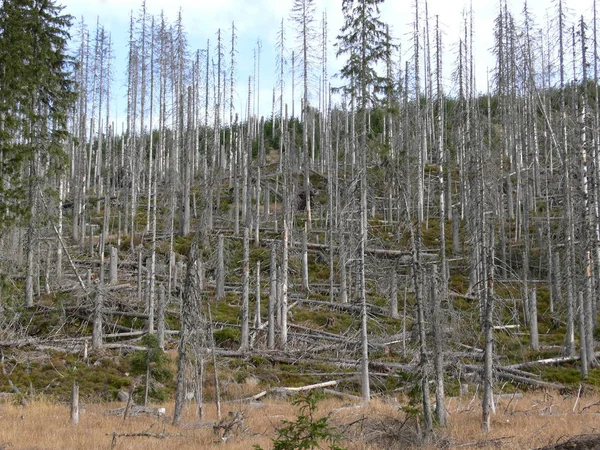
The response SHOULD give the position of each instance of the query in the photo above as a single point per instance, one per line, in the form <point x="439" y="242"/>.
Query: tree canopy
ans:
<point x="36" y="93"/>
<point x="366" y="41"/>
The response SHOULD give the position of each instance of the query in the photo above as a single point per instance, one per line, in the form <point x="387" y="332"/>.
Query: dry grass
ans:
<point x="525" y="423"/>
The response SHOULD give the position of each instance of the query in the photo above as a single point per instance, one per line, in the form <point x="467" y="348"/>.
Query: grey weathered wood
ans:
<point x="140" y="277"/>
<point x="97" y="327"/>
<point x="272" y="297"/>
<point x="220" y="272"/>
<point x="394" y="295"/>
<point x="245" y="339"/>
<point x="438" y="349"/>
<point x="114" y="260"/>
<point x="305" y="286"/>
<point x="283" y="299"/>
<point x="75" y="403"/>
<point x="257" y="318"/>
<point x="160" y="326"/>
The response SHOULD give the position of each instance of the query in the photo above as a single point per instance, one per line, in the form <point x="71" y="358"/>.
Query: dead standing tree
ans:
<point x="192" y="336"/>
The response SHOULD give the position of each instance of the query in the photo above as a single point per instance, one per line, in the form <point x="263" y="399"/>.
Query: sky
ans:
<point x="261" y="19"/>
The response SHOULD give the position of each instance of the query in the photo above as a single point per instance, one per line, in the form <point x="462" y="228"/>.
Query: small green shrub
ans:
<point x="152" y="362"/>
<point x="227" y="337"/>
<point x="306" y="432"/>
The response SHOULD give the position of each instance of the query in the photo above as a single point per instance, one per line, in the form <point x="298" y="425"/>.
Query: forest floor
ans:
<point x="529" y="422"/>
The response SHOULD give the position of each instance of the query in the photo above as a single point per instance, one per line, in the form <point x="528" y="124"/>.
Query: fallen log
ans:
<point x="137" y="411"/>
<point x="520" y="379"/>
<point x="319" y="333"/>
<point x="309" y="387"/>
<point x="522" y="373"/>
<point x="252" y="398"/>
<point x="343" y="306"/>
<point x="137" y="348"/>
<point x="342" y="395"/>
<point x="558" y="360"/>
<point x="507" y="369"/>
<point x="508" y="373"/>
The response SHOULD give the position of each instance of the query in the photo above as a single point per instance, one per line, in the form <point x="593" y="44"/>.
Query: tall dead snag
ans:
<point x="220" y="275"/>
<point x="160" y="327"/>
<point x="75" y="403"/>
<point x="303" y="17"/>
<point x="272" y="297"/>
<point x="484" y="236"/>
<point x="417" y="275"/>
<point x="305" y="286"/>
<point x="283" y="300"/>
<point x="97" y="328"/>
<point x="114" y="260"/>
<point x="364" y="39"/>
<point x="192" y="328"/>
<point x="582" y="341"/>
<point x="394" y="295"/>
<point x="245" y="344"/>
<point x="438" y="349"/>
<point x="211" y="340"/>
<point x="488" y="331"/>
<point x="257" y="318"/>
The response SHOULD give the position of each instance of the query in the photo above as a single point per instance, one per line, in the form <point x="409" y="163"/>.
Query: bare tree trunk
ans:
<point x="284" y="288"/>
<point x="488" y="396"/>
<point x="30" y="248"/>
<point x="245" y="344"/>
<point x="342" y="264"/>
<point x="190" y="304"/>
<point x="394" y="295"/>
<point x="533" y="320"/>
<point x="214" y="361"/>
<point x="272" y="297"/>
<point x="438" y="350"/>
<point x="257" y="319"/>
<point x="220" y="275"/>
<point x="75" y="403"/>
<point x="114" y="259"/>
<point x="582" y="337"/>
<point x="59" y="250"/>
<point x="160" y="327"/>
<point x="417" y="275"/>
<point x="97" y="328"/>
<point x="305" y="286"/>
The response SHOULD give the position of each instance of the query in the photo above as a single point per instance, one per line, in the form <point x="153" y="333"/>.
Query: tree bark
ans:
<point x="75" y="403"/>
<point x="272" y="297"/>
<point x="97" y="329"/>
<point x="220" y="275"/>
<point x="245" y="311"/>
<point x="438" y="343"/>
<point x="160" y="326"/>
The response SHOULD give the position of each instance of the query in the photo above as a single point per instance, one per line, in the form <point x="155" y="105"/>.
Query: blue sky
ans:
<point x="260" y="19"/>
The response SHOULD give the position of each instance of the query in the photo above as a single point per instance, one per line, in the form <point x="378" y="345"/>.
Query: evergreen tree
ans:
<point x="36" y="93"/>
<point x="366" y="41"/>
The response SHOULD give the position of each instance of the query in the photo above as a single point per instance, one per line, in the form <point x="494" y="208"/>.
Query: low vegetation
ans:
<point x="520" y="422"/>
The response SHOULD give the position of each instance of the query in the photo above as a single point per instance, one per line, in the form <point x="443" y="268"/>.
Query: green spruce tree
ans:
<point x="365" y="40"/>
<point x="36" y="94"/>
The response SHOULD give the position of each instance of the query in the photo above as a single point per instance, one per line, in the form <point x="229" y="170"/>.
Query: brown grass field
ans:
<point x="519" y="423"/>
